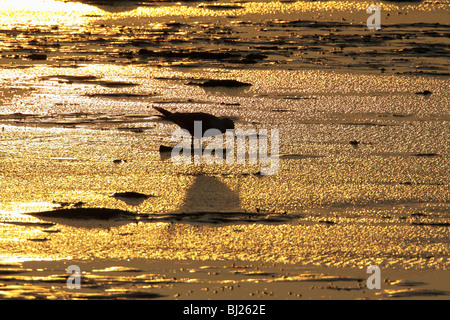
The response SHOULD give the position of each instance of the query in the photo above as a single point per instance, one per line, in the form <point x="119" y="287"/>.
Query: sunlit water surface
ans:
<point x="363" y="153"/>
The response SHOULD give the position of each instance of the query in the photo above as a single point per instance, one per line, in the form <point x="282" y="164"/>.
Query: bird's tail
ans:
<point x="163" y="111"/>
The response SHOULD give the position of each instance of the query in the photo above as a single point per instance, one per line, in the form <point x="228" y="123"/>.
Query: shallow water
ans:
<point x="414" y="38"/>
<point x="363" y="156"/>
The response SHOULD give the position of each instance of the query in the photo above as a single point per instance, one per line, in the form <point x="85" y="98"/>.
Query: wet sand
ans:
<point x="363" y="156"/>
<point x="212" y="280"/>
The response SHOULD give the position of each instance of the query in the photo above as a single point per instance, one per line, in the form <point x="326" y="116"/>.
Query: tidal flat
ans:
<point x="363" y="158"/>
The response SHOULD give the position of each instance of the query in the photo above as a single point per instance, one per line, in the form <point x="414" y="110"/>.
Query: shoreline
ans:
<point x="106" y="279"/>
<point x="364" y="156"/>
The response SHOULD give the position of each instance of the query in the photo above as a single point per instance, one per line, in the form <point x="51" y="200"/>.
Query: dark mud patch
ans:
<point x="224" y="56"/>
<point x="119" y="95"/>
<point x="165" y="149"/>
<point x="39" y="239"/>
<point x="36" y="56"/>
<point x="130" y="295"/>
<point x="134" y="129"/>
<point x="220" y="83"/>
<point x="29" y="223"/>
<point x="413" y="293"/>
<point x="116" y="84"/>
<point x="407" y="154"/>
<point x="84" y="213"/>
<point x="17" y="116"/>
<point x="119" y="161"/>
<point x="299" y="156"/>
<point x="424" y="93"/>
<point x="281" y="110"/>
<point x="173" y="78"/>
<point x="69" y="79"/>
<point x="215" y="218"/>
<point x="10" y="271"/>
<point x="131" y="194"/>
<point x="80" y="119"/>
<point x="366" y="124"/>
<point x="165" y="152"/>
<point x="88" y="218"/>
<point x="220" y="6"/>
<point x="131" y="198"/>
<point x="433" y="224"/>
<point x="425" y="155"/>
<point x="81" y="217"/>
<point x="67" y="205"/>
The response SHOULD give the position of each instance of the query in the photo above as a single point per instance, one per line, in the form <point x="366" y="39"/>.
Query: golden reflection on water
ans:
<point x="86" y="172"/>
<point x="49" y="12"/>
<point x="42" y="5"/>
<point x="44" y="13"/>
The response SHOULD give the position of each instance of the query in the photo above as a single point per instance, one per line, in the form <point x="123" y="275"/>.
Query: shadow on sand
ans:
<point x="208" y="201"/>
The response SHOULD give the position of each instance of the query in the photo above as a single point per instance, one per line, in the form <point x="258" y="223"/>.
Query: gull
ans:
<point x="186" y="121"/>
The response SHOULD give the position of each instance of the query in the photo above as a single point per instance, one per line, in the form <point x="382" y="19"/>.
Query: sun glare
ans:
<point x="43" y="5"/>
<point x="43" y="13"/>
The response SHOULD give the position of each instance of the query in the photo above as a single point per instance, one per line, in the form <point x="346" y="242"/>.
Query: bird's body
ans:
<point x="187" y="121"/>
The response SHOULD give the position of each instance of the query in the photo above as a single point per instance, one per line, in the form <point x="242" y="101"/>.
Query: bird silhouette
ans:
<point x="187" y="120"/>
